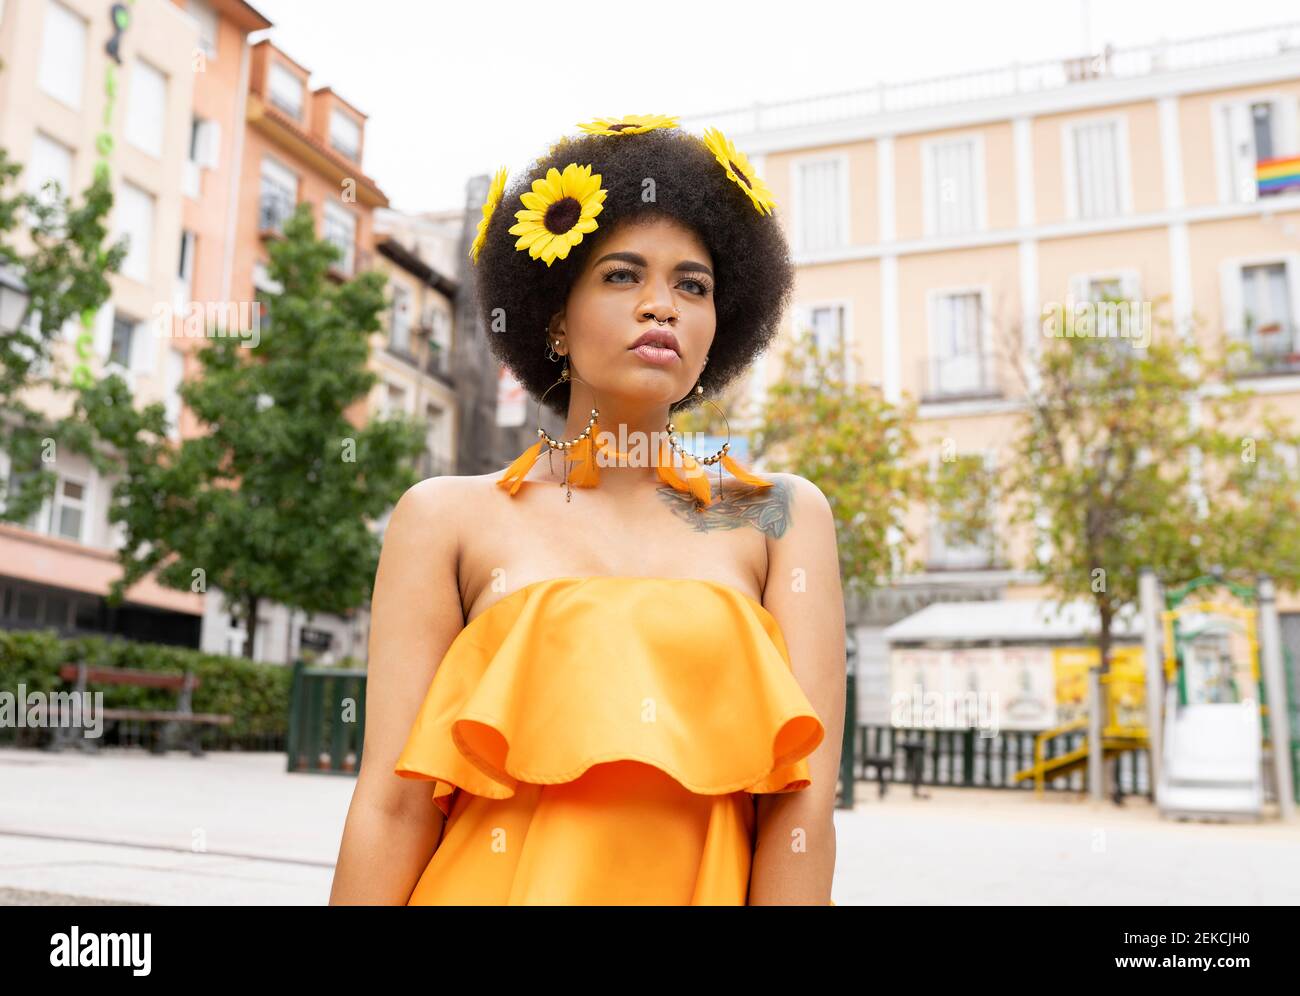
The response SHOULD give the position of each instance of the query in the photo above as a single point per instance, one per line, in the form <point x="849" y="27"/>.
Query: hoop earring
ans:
<point x="697" y="482"/>
<point x="579" y="450"/>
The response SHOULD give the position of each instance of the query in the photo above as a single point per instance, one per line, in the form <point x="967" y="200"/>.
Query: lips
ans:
<point x="658" y="337"/>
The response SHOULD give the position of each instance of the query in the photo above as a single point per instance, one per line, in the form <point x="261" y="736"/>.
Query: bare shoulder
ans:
<point x="808" y="537"/>
<point x="801" y="501"/>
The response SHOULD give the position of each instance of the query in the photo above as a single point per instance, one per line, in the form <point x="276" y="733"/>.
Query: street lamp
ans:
<point x="13" y="299"/>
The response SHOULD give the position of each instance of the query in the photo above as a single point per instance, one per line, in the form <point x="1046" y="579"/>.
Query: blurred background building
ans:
<point x="219" y="136"/>
<point x="932" y="220"/>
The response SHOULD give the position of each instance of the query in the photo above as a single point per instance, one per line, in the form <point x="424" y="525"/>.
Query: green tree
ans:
<point x="855" y="446"/>
<point x="1122" y="461"/>
<point x="274" y="500"/>
<point x="63" y="269"/>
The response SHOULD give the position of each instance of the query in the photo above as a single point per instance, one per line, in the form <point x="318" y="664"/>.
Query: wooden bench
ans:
<point x="183" y="684"/>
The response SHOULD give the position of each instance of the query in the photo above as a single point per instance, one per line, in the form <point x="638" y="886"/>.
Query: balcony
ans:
<point x="960" y="377"/>
<point x="273" y="209"/>
<point x="1007" y="81"/>
<point x="1274" y="350"/>
<point x="943" y="557"/>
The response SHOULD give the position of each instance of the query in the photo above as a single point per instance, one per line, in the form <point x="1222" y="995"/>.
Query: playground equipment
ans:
<point x="1120" y="734"/>
<point x="1212" y="750"/>
<point x="1210" y="739"/>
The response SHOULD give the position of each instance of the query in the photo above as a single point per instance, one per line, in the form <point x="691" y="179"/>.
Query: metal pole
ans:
<point x="1096" y="769"/>
<point x="1270" y="653"/>
<point x="1149" y="599"/>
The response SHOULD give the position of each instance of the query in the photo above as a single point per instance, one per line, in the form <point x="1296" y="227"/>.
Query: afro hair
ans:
<point x="753" y="272"/>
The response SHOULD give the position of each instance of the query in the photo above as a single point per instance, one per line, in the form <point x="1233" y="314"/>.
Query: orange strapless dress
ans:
<point x="600" y="741"/>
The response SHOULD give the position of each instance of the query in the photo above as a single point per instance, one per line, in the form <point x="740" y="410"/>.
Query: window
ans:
<point x="395" y="400"/>
<point x="1250" y="132"/>
<point x="1114" y="294"/>
<point x="829" y="327"/>
<point x="202" y="12"/>
<point x="400" y="321"/>
<point x="345" y="134"/>
<point x="1267" y="315"/>
<point x="69" y="511"/>
<point x="954" y="187"/>
<point x="203" y="153"/>
<point x="1096" y="184"/>
<point x="123" y="336"/>
<point x="135" y="220"/>
<point x="827" y="324"/>
<point x="146" y="108"/>
<point x="945" y="554"/>
<point x="279" y="194"/>
<point x="63" y="54"/>
<point x="959" y="362"/>
<point x="822" y="204"/>
<point x="185" y="273"/>
<point x="1260" y="305"/>
<point x="286" y="90"/>
<point x="50" y="160"/>
<point x="341" y="230"/>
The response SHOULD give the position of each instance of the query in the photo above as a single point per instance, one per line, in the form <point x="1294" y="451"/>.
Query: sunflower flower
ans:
<point x="632" y="124"/>
<point x="738" y="169"/>
<point x="559" y="210"/>
<point x="494" y="193"/>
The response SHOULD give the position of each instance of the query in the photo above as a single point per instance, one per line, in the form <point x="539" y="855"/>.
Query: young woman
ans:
<point x="632" y="692"/>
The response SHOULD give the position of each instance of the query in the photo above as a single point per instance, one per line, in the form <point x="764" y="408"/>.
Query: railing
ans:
<point x="1050" y="74"/>
<point x="966" y="375"/>
<point x="1271" y="352"/>
<point x="327" y="719"/>
<point x="962" y="758"/>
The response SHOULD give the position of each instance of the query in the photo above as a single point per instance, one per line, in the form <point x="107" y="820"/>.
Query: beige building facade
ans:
<point x="932" y="222"/>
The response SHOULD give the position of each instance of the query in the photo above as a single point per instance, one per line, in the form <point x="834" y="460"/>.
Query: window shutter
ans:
<point x="1292" y="262"/>
<point x="144" y="348"/>
<point x="211" y="154"/>
<point x="103" y="332"/>
<point x="820" y="210"/>
<point x="1231" y="297"/>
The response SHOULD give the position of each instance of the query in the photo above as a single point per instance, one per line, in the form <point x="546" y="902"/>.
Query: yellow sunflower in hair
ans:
<point x="559" y="210"/>
<point x="632" y="124"/>
<point x="738" y="168"/>
<point x="489" y="206"/>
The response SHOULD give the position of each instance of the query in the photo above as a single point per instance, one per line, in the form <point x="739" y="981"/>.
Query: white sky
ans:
<point x="453" y="89"/>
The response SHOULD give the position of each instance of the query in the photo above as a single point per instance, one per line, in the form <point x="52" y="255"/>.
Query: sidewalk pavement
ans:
<point x="237" y="829"/>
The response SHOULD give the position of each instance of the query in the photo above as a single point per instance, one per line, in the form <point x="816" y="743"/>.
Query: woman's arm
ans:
<point x="794" y="854"/>
<point x="393" y="826"/>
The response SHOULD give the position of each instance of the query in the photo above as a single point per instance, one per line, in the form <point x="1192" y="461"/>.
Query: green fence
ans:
<point x="962" y="758"/>
<point x="327" y="719"/>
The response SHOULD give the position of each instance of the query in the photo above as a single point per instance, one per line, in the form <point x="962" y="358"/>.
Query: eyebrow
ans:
<point x="639" y="260"/>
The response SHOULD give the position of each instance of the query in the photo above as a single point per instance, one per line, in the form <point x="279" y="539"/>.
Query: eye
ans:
<point x="609" y="274"/>
<point x="702" y="287"/>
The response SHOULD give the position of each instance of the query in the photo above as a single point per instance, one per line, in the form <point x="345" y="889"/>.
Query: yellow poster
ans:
<point x="1127" y="685"/>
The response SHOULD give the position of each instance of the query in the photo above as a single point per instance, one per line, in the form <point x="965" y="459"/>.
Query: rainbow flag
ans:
<point x="1274" y="175"/>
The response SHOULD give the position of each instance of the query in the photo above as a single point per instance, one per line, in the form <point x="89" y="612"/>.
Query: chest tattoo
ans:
<point x="765" y="509"/>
